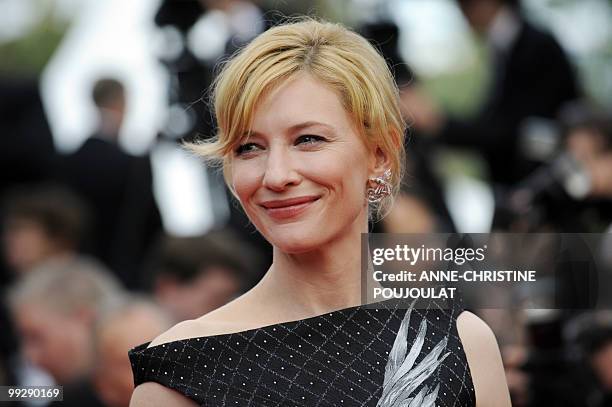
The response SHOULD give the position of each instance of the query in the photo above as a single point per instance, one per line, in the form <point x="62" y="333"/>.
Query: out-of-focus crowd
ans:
<point x="88" y="272"/>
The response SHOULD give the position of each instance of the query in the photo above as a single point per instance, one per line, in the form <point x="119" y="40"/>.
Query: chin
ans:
<point x="295" y="243"/>
<point x="297" y="248"/>
<point x="307" y="234"/>
<point x="295" y="238"/>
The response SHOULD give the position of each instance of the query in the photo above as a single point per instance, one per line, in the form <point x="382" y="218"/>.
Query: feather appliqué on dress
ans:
<point x="402" y="377"/>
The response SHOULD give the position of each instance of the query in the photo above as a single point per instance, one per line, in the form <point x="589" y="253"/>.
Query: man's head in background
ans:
<point x="588" y="139"/>
<point x="109" y="97"/>
<point x="480" y="14"/>
<point x="123" y="326"/>
<point x="54" y="308"/>
<point x="42" y="223"/>
<point x="597" y="345"/>
<point x="195" y="275"/>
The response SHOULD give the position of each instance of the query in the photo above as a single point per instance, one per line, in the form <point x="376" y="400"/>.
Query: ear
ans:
<point x="379" y="162"/>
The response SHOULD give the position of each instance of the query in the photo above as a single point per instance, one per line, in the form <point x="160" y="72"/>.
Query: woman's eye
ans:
<point x="246" y="148"/>
<point x="309" y="139"/>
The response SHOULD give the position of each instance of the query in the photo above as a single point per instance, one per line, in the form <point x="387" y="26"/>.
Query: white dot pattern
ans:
<point x="338" y="358"/>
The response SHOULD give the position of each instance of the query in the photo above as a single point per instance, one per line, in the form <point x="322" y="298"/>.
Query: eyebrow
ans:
<point x="297" y="127"/>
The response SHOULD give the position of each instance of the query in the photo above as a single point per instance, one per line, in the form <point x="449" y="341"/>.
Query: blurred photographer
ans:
<point x="531" y="77"/>
<point x="591" y="144"/>
<point x="572" y="191"/>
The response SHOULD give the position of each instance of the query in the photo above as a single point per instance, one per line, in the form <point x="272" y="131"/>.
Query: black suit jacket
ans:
<point x="534" y="79"/>
<point x="118" y="188"/>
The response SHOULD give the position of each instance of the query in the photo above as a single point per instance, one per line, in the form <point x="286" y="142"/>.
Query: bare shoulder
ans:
<point x="182" y="330"/>
<point x="226" y="319"/>
<point x="473" y="328"/>
<point x="151" y="394"/>
<point x="484" y="359"/>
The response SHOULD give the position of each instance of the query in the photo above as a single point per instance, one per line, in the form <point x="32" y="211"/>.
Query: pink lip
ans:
<point x="288" y="208"/>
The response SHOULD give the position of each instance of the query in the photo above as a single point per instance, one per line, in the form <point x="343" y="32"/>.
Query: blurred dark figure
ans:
<point x="384" y="36"/>
<point x="191" y="77"/>
<point x="116" y="185"/>
<point x="39" y="224"/>
<point x="9" y="347"/>
<point x="192" y="276"/>
<point x="55" y="308"/>
<point x="109" y="97"/>
<point x="572" y="192"/>
<point x="532" y="77"/>
<point x="420" y="206"/>
<point x="119" y="329"/>
<point x="42" y="223"/>
<point x="27" y="153"/>
<point x="26" y="145"/>
<point x="553" y="377"/>
<point x="597" y="343"/>
<point x="590" y="143"/>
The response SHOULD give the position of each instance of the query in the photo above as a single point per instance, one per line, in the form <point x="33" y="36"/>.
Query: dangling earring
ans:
<point x="381" y="187"/>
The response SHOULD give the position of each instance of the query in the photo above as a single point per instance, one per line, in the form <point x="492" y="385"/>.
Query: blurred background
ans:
<point x="111" y="233"/>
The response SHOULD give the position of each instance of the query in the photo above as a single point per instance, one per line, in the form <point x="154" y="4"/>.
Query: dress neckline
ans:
<point x="145" y="346"/>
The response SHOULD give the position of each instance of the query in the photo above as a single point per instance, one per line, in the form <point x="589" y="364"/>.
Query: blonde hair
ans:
<point x="331" y="53"/>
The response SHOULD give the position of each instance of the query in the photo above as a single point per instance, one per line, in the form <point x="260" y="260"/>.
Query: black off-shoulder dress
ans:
<point x="358" y="356"/>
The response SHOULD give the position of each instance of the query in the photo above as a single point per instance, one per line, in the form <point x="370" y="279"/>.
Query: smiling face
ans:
<point x="301" y="175"/>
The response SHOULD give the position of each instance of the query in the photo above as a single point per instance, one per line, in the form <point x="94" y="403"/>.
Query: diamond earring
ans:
<point x="380" y="187"/>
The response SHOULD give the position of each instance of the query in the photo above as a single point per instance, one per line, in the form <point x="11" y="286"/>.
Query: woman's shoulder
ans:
<point x="478" y="339"/>
<point x="260" y="363"/>
<point x="474" y="328"/>
<point x="152" y="394"/>
<point x="484" y="360"/>
<point x="189" y="329"/>
<point x="229" y="318"/>
<point x="163" y="368"/>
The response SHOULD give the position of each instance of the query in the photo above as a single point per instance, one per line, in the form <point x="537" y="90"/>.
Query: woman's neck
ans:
<point x="318" y="281"/>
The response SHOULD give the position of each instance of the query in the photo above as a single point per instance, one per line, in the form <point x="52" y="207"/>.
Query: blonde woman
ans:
<point x="311" y="141"/>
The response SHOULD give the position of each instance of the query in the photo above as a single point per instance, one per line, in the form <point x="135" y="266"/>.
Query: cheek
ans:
<point x="343" y="175"/>
<point x="246" y="178"/>
<point x="48" y="350"/>
<point x="58" y="342"/>
<point x="340" y="170"/>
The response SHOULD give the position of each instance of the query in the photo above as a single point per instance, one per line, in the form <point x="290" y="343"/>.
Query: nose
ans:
<point x="280" y="171"/>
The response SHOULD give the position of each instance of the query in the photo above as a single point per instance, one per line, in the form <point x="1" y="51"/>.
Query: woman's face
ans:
<point x="301" y="175"/>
